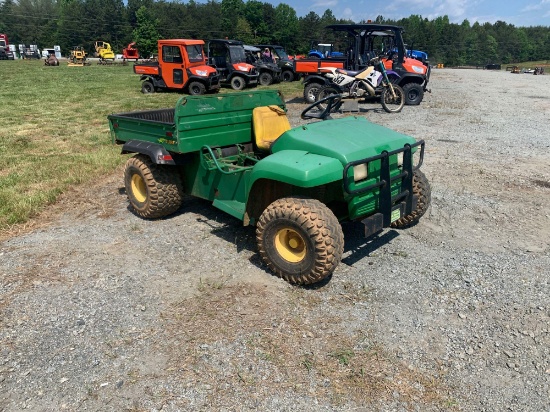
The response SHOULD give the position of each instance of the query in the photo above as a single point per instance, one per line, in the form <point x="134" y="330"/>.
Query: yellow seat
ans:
<point x="269" y="122"/>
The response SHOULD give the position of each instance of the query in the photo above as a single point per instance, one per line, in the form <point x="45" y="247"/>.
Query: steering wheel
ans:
<point x="333" y="103"/>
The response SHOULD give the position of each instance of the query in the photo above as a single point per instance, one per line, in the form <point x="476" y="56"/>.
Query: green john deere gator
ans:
<point x="294" y="184"/>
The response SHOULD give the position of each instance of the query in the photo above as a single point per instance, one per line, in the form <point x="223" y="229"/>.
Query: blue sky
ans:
<point x="516" y="12"/>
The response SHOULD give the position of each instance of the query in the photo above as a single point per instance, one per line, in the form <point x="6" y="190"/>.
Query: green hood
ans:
<point x="347" y="139"/>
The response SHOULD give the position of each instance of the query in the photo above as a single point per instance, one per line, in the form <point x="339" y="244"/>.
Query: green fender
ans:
<point x="297" y="168"/>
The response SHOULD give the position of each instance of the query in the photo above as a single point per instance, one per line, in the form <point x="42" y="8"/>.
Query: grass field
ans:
<point x="54" y="131"/>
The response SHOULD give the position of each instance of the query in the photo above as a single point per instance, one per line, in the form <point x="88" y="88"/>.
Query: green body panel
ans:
<point x="368" y="203"/>
<point x="298" y="168"/>
<point x="346" y="139"/>
<point x="349" y="139"/>
<point x="196" y="121"/>
<point x="214" y="185"/>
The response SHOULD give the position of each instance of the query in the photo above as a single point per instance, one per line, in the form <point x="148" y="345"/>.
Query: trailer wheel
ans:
<point x="238" y="83"/>
<point x="288" y="76"/>
<point x="147" y="87"/>
<point x="196" y="88"/>
<point x="265" y="79"/>
<point x="153" y="190"/>
<point x="311" y="90"/>
<point x="300" y="240"/>
<point x="421" y="188"/>
<point x="414" y="93"/>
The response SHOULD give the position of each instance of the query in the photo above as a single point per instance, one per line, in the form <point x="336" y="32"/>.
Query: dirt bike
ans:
<point x="374" y="80"/>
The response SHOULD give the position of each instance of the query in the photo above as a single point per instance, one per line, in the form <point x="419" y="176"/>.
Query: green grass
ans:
<point x="54" y="131"/>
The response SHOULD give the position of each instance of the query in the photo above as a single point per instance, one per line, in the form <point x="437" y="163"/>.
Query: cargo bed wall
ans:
<point x="197" y="121"/>
<point x="219" y="120"/>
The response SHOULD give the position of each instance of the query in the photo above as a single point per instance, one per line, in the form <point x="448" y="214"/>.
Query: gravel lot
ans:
<point x="101" y="310"/>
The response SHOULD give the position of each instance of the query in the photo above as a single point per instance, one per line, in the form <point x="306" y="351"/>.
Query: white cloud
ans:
<point x="325" y="4"/>
<point x="541" y="5"/>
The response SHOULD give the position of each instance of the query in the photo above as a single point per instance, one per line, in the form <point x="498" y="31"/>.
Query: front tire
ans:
<point x="423" y="191"/>
<point x="153" y="190"/>
<point x="265" y="79"/>
<point x="414" y="94"/>
<point x="196" y="88"/>
<point x="311" y="90"/>
<point x="238" y="83"/>
<point x="147" y="87"/>
<point x="390" y="103"/>
<point x="300" y="240"/>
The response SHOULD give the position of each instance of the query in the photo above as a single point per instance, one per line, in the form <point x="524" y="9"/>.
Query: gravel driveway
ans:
<point x="103" y="311"/>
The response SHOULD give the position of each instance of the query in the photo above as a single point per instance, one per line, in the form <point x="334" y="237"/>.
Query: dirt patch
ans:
<point x="290" y="340"/>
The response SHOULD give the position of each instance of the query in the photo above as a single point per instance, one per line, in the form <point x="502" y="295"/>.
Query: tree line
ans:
<point x="71" y="23"/>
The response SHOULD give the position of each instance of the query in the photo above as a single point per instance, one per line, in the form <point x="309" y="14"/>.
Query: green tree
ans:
<point x="231" y="11"/>
<point x="146" y="33"/>
<point x="285" y="26"/>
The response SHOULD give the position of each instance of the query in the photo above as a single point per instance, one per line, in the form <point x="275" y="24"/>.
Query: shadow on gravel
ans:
<point x="232" y="231"/>
<point x="359" y="247"/>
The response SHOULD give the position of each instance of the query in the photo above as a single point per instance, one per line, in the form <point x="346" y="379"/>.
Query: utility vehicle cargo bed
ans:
<point x="196" y="121"/>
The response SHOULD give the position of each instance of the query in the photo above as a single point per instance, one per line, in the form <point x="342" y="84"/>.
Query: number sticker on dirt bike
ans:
<point x="339" y="79"/>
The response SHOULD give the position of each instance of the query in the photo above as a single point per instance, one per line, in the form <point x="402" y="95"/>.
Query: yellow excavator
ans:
<point x="104" y="52"/>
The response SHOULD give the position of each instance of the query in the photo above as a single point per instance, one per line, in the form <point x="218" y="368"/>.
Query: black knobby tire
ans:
<point x="265" y="79"/>
<point x="300" y="240"/>
<point x="153" y="190"/>
<point x="147" y="87"/>
<point x="390" y="103"/>
<point x="414" y="94"/>
<point x="288" y="76"/>
<point x="311" y="90"/>
<point x="423" y="191"/>
<point x="238" y="83"/>
<point x="326" y="91"/>
<point x="197" y="88"/>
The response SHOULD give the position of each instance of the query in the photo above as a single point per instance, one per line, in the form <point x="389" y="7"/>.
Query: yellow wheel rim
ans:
<point x="290" y="245"/>
<point x="138" y="188"/>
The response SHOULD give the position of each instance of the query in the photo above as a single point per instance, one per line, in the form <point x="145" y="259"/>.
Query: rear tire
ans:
<point x="147" y="87"/>
<point x="238" y="83"/>
<point x="390" y="103"/>
<point x="414" y="94"/>
<point x="311" y="90"/>
<point x="196" y="88"/>
<point x="265" y="79"/>
<point x="423" y="191"/>
<point x="288" y="76"/>
<point x="153" y="190"/>
<point x="326" y="91"/>
<point x="300" y="240"/>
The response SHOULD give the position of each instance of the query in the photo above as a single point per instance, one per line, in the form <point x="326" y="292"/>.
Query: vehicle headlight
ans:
<point x="360" y="172"/>
<point x="418" y="69"/>
<point x="242" y="68"/>
<point x="202" y="72"/>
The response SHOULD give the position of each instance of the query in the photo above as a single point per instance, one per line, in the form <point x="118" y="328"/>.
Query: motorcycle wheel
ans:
<point x="390" y="103"/>
<point x="326" y="91"/>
